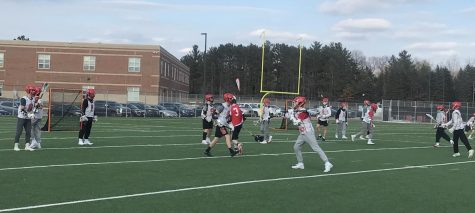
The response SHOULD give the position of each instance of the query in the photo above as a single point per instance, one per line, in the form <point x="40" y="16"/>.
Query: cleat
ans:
<point x="470" y="153"/>
<point x="328" y="167"/>
<point x="367" y="137"/>
<point x="80" y="143"/>
<point x="27" y="147"/>
<point x="38" y="146"/>
<point x="336" y="136"/>
<point x="353" y="137"/>
<point x="263" y="142"/>
<point x="451" y="142"/>
<point x="298" y="166"/>
<point x="270" y="139"/>
<point x="436" y="145"/>
<point x="323" y="138"/>
<point x="362" y="138"/>
<point x="456" y="155"/>
<point x="344" y="137"/>
<point x="232" y="154"/>
<point x="34" y="144"/>
<point x="370" y="142"/>
<point x="16" y="148"/>
<point x="208" y="154"/>
<point x="87" y="142"/>
<point x="204" y="142"/>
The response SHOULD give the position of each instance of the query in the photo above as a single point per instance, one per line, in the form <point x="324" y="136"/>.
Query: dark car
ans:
<point x="135" y="111"/>
<point x="110" y="108"/>
<point x="181" y="109"/>
<point x="10" y="106"/>
<point x="64" y="110"/>
<point x="149" y="111"/>
<point x="3" y="112"/>
<point x="165" y="112"/>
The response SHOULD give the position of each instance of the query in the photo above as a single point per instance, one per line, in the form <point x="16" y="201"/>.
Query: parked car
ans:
<point x="165" y="112"/>
<point x="181" y="109"/>
<point x="10" y="106"/>
<point x="64" y="110"/>
<point x="135" y="111"/>
<point x="3" y="112"/>
<point x="246" y="110"/>
<point x="104" y="108"/>
<point x="253" y="106"/>
<point x="149" y="110"/>
<point x="275" y="111"/>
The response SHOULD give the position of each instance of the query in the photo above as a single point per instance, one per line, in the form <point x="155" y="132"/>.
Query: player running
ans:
<point x="207" y="117"/>
<point x="458" y="130"/>
<point x="440" y="131"/>
<point x="324" y="113"/>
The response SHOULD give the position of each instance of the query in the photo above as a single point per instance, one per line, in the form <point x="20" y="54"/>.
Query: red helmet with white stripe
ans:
<point x="440" y="107"/>
<point x="266" y="102"/>
<point x="30" y="89"/>
<point x="456" y="105"/>
<point x="91" y="93"/>
<point x="299" y="101"/>
<point x="228" y="97"/>
<point x="209" y="97"/>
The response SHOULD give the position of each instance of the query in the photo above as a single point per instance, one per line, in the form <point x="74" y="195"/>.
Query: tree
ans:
<point x="22" y="38"/>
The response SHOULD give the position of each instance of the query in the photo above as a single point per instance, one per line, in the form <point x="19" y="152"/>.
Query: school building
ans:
<point x="119" y="72"/>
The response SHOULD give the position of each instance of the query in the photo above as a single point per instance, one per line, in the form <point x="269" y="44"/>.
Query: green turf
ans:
<point x="164" y="157"/>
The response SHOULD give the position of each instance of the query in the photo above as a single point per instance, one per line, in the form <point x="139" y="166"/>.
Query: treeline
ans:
<point x="326" y="70"/>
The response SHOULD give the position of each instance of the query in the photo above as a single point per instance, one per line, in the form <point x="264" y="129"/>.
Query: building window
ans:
<point x="162" y="67"/>
<point x="1" y="88"/>
<point x="2" y="56"/>
<point x="44" y="61"/>
<point x="134" y="64"/>
<point x="89" y="63"/>
<point x="133" y="94"/>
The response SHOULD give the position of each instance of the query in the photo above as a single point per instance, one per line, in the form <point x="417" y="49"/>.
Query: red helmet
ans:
<point x="374" y="107"/>
<point x="473" y="114"/>
<point x="37" y="90"/>
<point x="91" y="93"/>
<point x="440" y="107"/>
<point x="343" y="104"/>
<point x="266" y="101"/>
<point x="228" y="97"/>
<point x="456" y="105"/>
<point x="325" y="100"/>
<point x="299" y="101"/>
<point x="30" y="89"/>
<point x="366" y="102"/>
<point x="209" y="97"/>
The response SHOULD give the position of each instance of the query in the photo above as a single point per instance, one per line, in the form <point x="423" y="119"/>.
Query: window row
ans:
<point x="133" y="93"/>
<point x="2" y="55"/>
<point x="89" y="63"/>
<point x="169" y="71"/>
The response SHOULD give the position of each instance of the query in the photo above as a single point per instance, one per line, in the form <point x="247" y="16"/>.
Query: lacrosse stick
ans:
<point x="432" y="118"/>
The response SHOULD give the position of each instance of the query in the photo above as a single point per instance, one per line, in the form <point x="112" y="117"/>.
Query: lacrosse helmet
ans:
<point x="366" y="102"/>
<point x="343" y="104"/>
<point x="209" y="97"/>
<point x="228" y="97"/>
<point x="473" y="114"/>
<point x="30" y="89"/>
<point x="374" y="107"/>
<point x="440" y="107"/>
<point x="91" y="93"/>
<point x="266" y="102"/>
<point x="299" y="101"/>
<point x="325" y="101"/>
<point x="37" y="90"/>
<point x="456" y="105"/>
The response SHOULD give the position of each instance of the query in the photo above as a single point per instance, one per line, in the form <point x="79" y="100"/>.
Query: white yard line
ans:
<point x="229" y="184"/>
<point x="197" y="158"/>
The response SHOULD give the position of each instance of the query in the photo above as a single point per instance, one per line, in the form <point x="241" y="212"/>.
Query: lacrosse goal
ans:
<point x="64" y="110"/>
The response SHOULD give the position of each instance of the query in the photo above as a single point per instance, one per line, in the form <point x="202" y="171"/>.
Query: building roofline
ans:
<point x="80" y="44"/>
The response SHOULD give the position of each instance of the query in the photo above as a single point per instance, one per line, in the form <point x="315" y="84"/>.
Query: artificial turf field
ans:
<point x="157" y="165"/>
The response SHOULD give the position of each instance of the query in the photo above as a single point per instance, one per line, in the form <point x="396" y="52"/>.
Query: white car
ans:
<point x="253" y="106"/>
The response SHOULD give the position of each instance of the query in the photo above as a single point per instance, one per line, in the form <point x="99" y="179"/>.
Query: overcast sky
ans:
<point x="434" y="30"/>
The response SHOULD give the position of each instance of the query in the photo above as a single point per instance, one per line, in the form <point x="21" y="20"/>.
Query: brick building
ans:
<point x="120" y="72"/>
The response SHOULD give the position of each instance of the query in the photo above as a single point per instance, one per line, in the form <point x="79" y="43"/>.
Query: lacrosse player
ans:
<point x="88" y="116"/>
<point x="25" y="114"/>
<point x="324" y="113"/>
<point x="301" y="118"/>
<point x="206" y="116"/>
<point x="36" y="121"/>
<point x="341" y="119"/>
<point x="265" y="122"/>
<point x="470" y="125"/>
<point x="222" y="122"/>
<point x="367" y="124"/>
<point x="237" y="119"/>
<point x="458" y="130"/>
<point x="364" y="125"/>
<point x="440" y="132"/>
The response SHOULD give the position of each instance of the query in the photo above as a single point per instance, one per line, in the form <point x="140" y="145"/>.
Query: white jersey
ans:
<point x="440" y="118"/>
<point x="39" y="110"/>
<point x="367" y="117"/>
<point x="28" y="107"/>
<point x="206" y="113"/>
<point x="223" y="115"/>
<point x="88" y="108"/>
<point x="301" y="118"/>
<point x="265" y="113"/>
<point x="324" y="113"/>
<point x="456" y="121"/>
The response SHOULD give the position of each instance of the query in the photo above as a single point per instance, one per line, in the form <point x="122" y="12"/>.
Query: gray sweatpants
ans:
<point x="265" y="129"/>
<point x="312" y="141"/>
<point x="365" y="129"/>
<point x="20" y="125"/>
<point x="341" y="129"/>
<point x="36" y="130"/>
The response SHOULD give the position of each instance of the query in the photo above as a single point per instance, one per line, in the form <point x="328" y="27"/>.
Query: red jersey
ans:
<point x="236" y="115"/>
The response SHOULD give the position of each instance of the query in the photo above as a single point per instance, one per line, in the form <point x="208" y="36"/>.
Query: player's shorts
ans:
<point x="207" y="125"/>
<point x="323" y="123"/>
<point x="236" y="131"/>
<point x="220" y="132"/>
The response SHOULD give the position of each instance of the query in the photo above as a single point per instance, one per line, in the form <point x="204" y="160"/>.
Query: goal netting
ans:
<point x="64" y="110"/>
